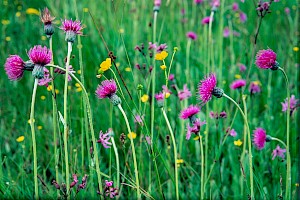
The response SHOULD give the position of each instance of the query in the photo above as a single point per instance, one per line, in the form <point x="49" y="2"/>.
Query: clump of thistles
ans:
<point x="266" y="59"/>
<point x="207" y="88"/>
<point x="260" y="138"/>
<point x="108" y="89"/>
<point x="71" y="28"/>
<point x="47" y="19"/>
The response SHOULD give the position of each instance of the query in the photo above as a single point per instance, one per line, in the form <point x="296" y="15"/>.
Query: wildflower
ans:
<point x="47" y="19"/>
<point x="198" y="1"/>
<point x="161" y="48"/>
<point x="231" y="132"/>
<point x="32" y="11"/>
<point x="161" y="56"/>
<point x="46" y="79"/>
<point x="160" y="99"/>
<point x="242" y="67"/>
<point x="108" y="89"/>
<point x="266" y="59"/>
<point x="109" y="190"/>
<point x="43" y="97"/>
<point x="189" y="112"/>
<point x="192" y="35"/>
<point x="163" y="67"/>
<point x="20" y="139"/>
<point x="40" y="56"/>
<point x="287" y="11"/>
<point x="39" y="127"/>
<point x="235" y="6"/>
<point x="148" y="139"/>
<point x="105" y="65"/>
<point x="56" y="185"/>
<point x="71" y="28"/>
<point x="206" y="20"/>
<point x="295" y="49"/>
<point x="144" y="98"/>
<point x="213" y="115"/>
<point x="238" y="84"/>
<point x="215" y="4"/>
<point x="207" y="88"/>
<point x="254" y="87"/>
<point x="5" y="21"/>
<point x="71" y="71"/>
<point x="238" y="142"/>
<point x="197" y="124"/>
<point x="243" y="17"/>
<point x="75" y="181"/>
<point x="260" y="138"/>
<point x="131" y="135"/>
<point x="278" y="152"/>
<point x="14" y="67"/>
<point x="157" y="2"/>
<point x="83" y="183"/>
<point x="185" y="93"/>
<point x="293" y="104"/>
<point x="139" y="119"/>
<point x="171" y="77"/>
<point x="104" y="138"/>
<point x="151" y="46"/>
<point x="223" y="114"/>
<point x="226" y="32"/>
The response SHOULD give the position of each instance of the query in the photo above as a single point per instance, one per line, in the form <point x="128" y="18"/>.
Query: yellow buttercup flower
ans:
<point x="144" y="98"/>
<point x="167" y="95"/>
<point x="18" y="14"/>
<point x="7" y="38"/>
<point x="20" y="139"/>
<point x="131" y="135"/>
<point x="197" y="137"/>
<point x="32" y="11"/>
<point x="237" y="76"/>
<point x="43" y="97"/>
<point x="238" y="142"/>
<point x="5" y="21"/>
<point x="105" y="65"/>
<point x="296" y="49"/>
<point x="127" y="69"/>
<point x="163" y="67"/>
<point x="49" y="88"/>
<point x="79" y="71"/>
<point x="40" y="127"/>
<point x="56" y="91"/>
<point x="161" y="56"/>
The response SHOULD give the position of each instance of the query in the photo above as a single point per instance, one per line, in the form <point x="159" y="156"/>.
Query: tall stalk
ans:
<point x="32" y="120"/>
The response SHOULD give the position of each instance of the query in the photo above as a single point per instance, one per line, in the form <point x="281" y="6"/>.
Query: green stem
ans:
<point x="187" y="71"/>
<point x="202" y="167"/>
<point x="288" y="160"/>
<point x="278" y="140"/>
<point x="249" y="145"/>
<point x="117" y="161"/>
<point x="175" y="151"/>
<point x="66" y="129"/>
<point x="133" y="154"/>
<point x="210" y="43"/>
<point x="32" y="121"/>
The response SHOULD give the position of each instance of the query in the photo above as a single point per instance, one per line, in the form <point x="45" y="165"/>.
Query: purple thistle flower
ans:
<point x="198" y="1"/>
<point x="243" y="17"/>
<point x="107" y="89"/>
<point x="207" y="88"/>
<point x="71" y="28"/>
<point x="293" y="104"/>
<point x="185" y="93"/>
<point x="40" y="55"/>
<point x="104" y="138"/>
<point x="14" y="67"/>
<point x="189" y="112"/>
<point x="192" y="35"/>
<point x="215" y="3"/>
<point x="278" y="152"/>
<point x="205" y="20"/>
<point x="171" y="77"/>
<point x="235" y="6"/>
<point x="157" y="3"/>
<point x="238" y="84"/>
<point x="254" y="88"/>
<point x="266" y="59"/>
<point x="259" y="138"/>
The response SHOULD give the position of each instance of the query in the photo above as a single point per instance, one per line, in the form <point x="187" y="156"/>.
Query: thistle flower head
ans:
<point x="235" y="6"/>
<point x="266" y="59"/>
<point x="205" y="20"/>
<point x="192" y="35"/>
<point x="14" y="67"/>
<point x="40" y="55"/>
<point x="46" y="17"/>
<point x="106" y="89"/>
<point x="189" y="112"/>
<point x="238" y="84"/>
<point x="259" y="138"/>
<point x="198" y="1"/>
<point x="71" y="28"/>
<point x="207" y="88"/>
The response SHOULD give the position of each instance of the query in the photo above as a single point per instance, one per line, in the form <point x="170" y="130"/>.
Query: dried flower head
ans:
<point x="47" y="19"/>
<point x="14" y="67"/>
<point x="266" y="59"/>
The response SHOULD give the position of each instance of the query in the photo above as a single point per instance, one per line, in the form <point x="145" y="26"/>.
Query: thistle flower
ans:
<point x="205" y="20"/>
<point x="14" y="67"/>
<point x="242" y="67"/>
<point x="189" y="112"/>
<point x="192" y="35"/>
<point x="260" y="138"/>
<point x="104" y="138"/>
<point x="71" y="28"/>
<point x="278" y="152"/>
<point x="40" y="56"/>
<point x="198" y="1"/>
<point x="185" y="93"/>
<point x="238" y="84"/>
<point x="254" y="87"/>
<point x="47" y="19"/>
<point x="243" y="17"/>
<point x="266" y="59"/>
<point x="235" y="6"/>
<point x="157" y="2"/>
<point x="107" y="89"/>
<point x="207" y="88"/>
<point x="293" y="104"/>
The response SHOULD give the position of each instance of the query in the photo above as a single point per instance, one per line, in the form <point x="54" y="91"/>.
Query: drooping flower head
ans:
<point x="189" y="112"/>
<point x="278" y="152"/>
<point x="40" y="56"/>
<point x="14" y="67"/>
<point x="71" y="28"/>
<point x="192" y="35"/>
<point x="104" y="138"/>
<point x="266" y="59"/>
<point x="260" y="138"/>
<point x="47" y="19"/>
<point x="207" y="88"/>
<point x="238" y="84"/>
<point x="108" y="89"/>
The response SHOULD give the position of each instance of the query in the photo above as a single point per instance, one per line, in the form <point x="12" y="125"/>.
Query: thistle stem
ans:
<point x="117" y="161"/>
<point x="66" y="129"/>
<point x="175" y="152"/>
<point x="288" y="159"/>
<point x="202" y="167"/>
<point x="249" y="145"/>
<point x="36" y="189"/>
<point x="133" y="154"/>
<point x="278" y="140"/>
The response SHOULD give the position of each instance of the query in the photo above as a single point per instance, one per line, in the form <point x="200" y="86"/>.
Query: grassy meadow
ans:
<point x="215" y="163"/>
